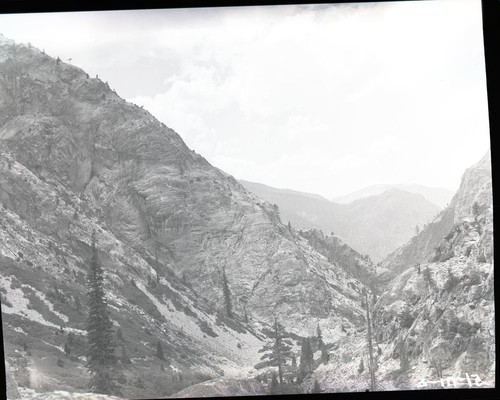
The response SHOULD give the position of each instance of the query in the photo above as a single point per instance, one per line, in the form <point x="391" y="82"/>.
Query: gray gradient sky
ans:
<point x="326" y="99"/>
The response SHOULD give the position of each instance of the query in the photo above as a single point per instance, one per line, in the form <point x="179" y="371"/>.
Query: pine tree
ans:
<point x="159" y="351"/>
<point x="101" y="359"/>
<point x="427" y="274"/>
<point x="319" y="335"/>
<point x="227" y="295"/>
<point x="404" y="361"/>
<point x="124" y="357"/>
<point x="371" y="361"/>
<point x="78" y="304"/>
<point x="325" y="357"/>
<point x="361" y="367"/>
<point x="67" y="349"/>
<point x="245" y="315"/>
<point x="316" y="388"/>
<point x="278" y="349"/>
<point x="274" y="385"/>
<point x="306" y="364"/>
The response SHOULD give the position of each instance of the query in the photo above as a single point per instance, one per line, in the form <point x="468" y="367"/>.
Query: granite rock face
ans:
<point x="443" y="307"/>
<point x="475" y="187"/>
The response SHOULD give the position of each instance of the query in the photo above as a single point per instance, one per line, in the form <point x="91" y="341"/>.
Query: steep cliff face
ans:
<point x="439" y="314"/>
<point x="475" y="187"/>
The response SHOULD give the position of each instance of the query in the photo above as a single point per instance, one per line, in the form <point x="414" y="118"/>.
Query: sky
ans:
<point x="325" y="99"/>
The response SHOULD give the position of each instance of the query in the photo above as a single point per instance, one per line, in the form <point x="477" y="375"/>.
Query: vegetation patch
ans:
<point x="230" y="323"/>
<point x="206" y="328"/>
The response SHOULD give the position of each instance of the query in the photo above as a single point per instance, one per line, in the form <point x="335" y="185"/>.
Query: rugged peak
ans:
<point x="438" y="308"/>
<point x="475" y="187"/>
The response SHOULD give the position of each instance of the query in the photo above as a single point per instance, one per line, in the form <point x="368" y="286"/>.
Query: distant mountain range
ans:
<point x="439" y="196"/>
<point x="374" y="225"/>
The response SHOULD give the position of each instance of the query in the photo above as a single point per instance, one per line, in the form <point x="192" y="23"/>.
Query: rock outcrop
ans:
<point x="442" y="308"/>
<point x="475" y="187"/>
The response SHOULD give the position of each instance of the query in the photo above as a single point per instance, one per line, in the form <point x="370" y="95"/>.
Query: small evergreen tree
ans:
<point x="361" y="367"/>
<point x="245" y="315"/>
<point x="67" y="349"/>
<point x="78" y="304"/>
<point x="428" y="277"/>
<point x="476" y="210"/>
<point x="70" y="339"/>
<point x="404" y="362"/>
<point x="274" y="387"/>
<point x="278" y="349"/>
<point x="159" y="351"/>
<point x="306" y="363"/>
<point x="227" y="295"/>
<point x="325" y="357"/>
<point x="124" y="356"/>
<point x="60" y="363"/>
<point x="451" y="281"/>
<point x="316" y="388"/>
<point x="319" y="335"/>
<point x="101" y="359"/>
<point x="139" y="382"/>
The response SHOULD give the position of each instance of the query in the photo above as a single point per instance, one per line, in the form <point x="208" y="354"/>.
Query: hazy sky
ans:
<point x="323" y="99"/>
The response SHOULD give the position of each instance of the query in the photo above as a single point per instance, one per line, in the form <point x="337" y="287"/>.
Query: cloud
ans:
<point x="326" y="99"/>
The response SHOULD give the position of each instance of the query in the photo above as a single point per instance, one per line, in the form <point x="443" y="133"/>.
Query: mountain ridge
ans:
<point x="374" y="225"/>
<point x="438" y="196"/>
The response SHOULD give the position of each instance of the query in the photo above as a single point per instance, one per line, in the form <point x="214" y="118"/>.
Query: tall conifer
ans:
<point x="321" y="346"/>
<point x="227" y="295"/>
<point x="306" y="363"/>
<point x="101" y="361"/>
<point x="278" y="350"/>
